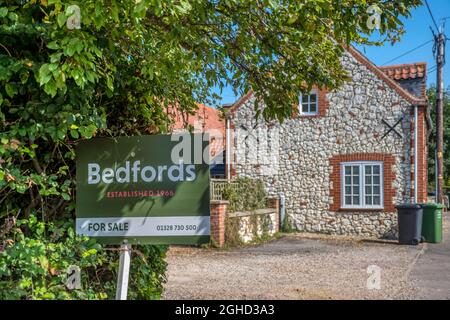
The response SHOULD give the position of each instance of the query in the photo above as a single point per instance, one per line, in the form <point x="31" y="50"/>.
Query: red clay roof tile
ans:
<point x="406" y="71"/>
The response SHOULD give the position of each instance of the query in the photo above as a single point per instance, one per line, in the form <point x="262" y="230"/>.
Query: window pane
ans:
<point x="356" y="170"/>
<point x="376" y="179"/>
<point x="305" y="108"/>
<point x="348" y="190"/>
<point x="368" y="201"/>
<point x="348" y="170"/>
<point x="348" y="200"/>
<point x="376" y="169"/>
<point x="348" y="180"/>
<point x="356" y="200"/>
<point x="368" y="179"/>
<point x="305" y="99"/>
<point x="368" y="169"/>
<point x="376" y="200"/>
<point x="376" y="190"/>
<point x="313" y="98"/>
<point x="313" y="108"/>
<point x="356" y="190"/>
<point x="356" y="180"/>
<point x="368" y="190"/>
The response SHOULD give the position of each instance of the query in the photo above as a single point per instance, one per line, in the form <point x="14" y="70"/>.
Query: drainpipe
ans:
<point x="228" y="149"/>
<point x="282" y="211"/>
<point x="416" y="135"/>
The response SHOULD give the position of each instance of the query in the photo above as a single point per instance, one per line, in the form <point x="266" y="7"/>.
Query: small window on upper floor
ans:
<point x="309" y="105"/>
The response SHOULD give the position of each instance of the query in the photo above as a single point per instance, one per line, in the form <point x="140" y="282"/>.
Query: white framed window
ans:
<point x="362" y="185"/>
<point x="309" y="104"/>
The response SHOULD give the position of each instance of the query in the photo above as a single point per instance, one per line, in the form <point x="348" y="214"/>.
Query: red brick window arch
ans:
<point x="356" y="182"/>
<point x="313" y="105"/>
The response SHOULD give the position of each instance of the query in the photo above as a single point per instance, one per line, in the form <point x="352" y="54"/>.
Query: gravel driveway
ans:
<point x="296" y="266"/>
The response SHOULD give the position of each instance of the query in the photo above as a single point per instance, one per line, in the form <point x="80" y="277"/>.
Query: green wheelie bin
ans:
<point x="432" y="222"/>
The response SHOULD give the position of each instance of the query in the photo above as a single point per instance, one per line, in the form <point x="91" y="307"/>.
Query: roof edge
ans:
<point x="392" y="83"/>
<point x="422" y="63"/>
<point x="372" y="67"/>
<point x="243" y="99"/>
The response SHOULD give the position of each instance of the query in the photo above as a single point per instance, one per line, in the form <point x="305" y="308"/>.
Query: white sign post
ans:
<point x="124" y="271"/>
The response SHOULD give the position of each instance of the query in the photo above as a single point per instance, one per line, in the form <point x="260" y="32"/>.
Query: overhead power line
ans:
<point x="432" y="16"/>
<point x="408" y="52"/>
<point x="432" y="69"/>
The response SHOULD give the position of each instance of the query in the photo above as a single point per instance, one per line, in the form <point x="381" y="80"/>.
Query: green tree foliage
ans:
<point x="131" y="59"/>
<point x="432" y="140"/>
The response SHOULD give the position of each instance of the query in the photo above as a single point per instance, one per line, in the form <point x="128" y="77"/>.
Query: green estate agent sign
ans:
<point x="146" y="189"/>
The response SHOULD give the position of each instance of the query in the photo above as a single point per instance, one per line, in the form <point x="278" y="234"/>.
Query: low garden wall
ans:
<point x="237" y="228"/>
<point x="250" y="226"/>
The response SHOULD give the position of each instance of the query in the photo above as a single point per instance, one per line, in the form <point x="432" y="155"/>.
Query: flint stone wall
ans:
<point x="352" y="124"/>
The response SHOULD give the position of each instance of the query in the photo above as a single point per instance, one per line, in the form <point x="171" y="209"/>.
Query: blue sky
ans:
<point x="417" y="33"/>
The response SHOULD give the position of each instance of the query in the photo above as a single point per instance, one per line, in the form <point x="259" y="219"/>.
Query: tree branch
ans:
<point x="37" y="166"/>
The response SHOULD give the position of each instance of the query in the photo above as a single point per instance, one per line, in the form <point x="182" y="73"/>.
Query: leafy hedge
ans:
<point x="245" y="194"/>
<point x="34" y="266"/>
<point x="57" y="87"/>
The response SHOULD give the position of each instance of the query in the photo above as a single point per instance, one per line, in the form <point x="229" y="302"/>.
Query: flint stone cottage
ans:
<point x="348" y="156"/>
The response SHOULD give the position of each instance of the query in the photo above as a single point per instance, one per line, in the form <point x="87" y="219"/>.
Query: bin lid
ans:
<point x="408" y="206"/>
<point x="433" y="205"/>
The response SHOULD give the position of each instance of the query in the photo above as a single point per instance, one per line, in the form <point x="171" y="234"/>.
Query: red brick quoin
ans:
<point x="218" y="215"/>
<point x="388" y="174"/>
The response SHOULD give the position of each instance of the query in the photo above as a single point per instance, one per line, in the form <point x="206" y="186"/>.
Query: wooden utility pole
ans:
<point x="440" y="59"/>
